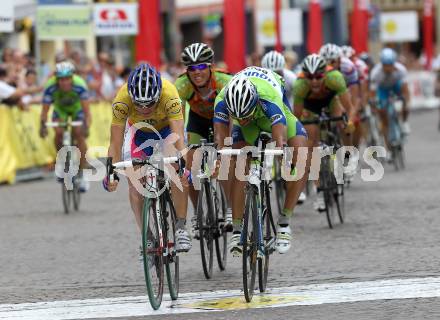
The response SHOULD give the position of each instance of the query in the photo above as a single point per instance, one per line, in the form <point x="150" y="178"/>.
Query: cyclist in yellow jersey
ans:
<point x="151" y="108"/>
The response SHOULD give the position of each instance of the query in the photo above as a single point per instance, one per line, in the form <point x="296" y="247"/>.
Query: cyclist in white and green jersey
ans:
<point x="255" y="100"/>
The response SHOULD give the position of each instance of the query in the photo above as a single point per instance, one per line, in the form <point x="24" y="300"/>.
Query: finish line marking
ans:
<point x="226" y="300"/>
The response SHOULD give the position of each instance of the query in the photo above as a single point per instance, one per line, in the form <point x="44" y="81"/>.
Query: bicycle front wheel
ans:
<point x="250" y="244"/>
<point x="172" y="259"/>
<point x="67" y="196"/>
<point x="205" y="217"/>
<point x="268" y="241"/>
<point x="152" y="252"/>
<point x="326" y="186"/>
<point x="221" y="235"/>
<point x="76" y="195"/>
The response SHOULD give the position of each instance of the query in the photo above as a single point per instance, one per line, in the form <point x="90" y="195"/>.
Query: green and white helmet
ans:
<point x="241" y="97"/>
<point x="197" y="53"/>
<point x="273" y="60"/>
<point x="313" y="63"/>
<point x="330" y="52"/>
<point x="64" y="69"/>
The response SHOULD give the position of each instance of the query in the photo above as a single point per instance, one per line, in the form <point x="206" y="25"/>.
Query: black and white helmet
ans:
<point x="330" y="52"/>
<point x="313" y="63"/>
<point x="241" y="97"/>
<point x="197" y="53"/>
<point x="273" y="60"/>
<point x="347" y="51"/>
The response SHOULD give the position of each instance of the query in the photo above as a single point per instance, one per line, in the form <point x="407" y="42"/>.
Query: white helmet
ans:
<point x="347" y="51"/>
<point x="330" y="52"/>
<point x="240" y="97"/>
<point x="273" y="60"/>
<point x="314" y="63"/>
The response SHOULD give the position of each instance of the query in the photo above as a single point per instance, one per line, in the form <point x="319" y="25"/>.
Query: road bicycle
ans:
<point x="158" y="227"/>
<point x="334" y="193"/>
<point x="70" y="191"/>
<point x="258" y="236"/>
<point x="210" y="212"/>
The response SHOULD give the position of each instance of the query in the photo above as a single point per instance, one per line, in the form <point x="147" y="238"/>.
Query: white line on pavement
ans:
<point x="226" y="300"/>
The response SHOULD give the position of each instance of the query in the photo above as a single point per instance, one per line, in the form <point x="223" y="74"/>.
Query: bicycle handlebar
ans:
<point x="323" y="119"/>
<point x="237" y="152"/>
<point x="148" y="160"/>
<point x="63" y="124"/>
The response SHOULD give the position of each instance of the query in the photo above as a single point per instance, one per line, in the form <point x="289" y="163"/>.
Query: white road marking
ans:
<point x="224" y="300"/>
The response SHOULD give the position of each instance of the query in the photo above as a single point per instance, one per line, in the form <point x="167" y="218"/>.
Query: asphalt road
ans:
<point x="391" y="231"/>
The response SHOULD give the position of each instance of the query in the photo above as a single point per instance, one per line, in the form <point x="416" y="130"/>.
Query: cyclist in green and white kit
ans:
<point x="69" y="95"/>
<point x="256" y="101"/>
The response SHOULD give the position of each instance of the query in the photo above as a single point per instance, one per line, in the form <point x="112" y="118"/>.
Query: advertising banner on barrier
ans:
<point x="64" y="22"/>
<point x="399" y="26"/>
<point x="422" y="90"/>
<point x="290" y="27"/>
<point x="7" y="16"/>
<point x="115" y="19"/>
<point x="22" y="148"/>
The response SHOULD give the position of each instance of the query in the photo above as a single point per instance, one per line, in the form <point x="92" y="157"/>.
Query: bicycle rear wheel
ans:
<point x="205" y="217"/>
<point x="339" y="197"/>
<point x="221" y="235"/>
<point x="172" y="259"/>
<point x="152" y="252"/>
<point x="268" y="241"/>
<point x="250" y="244"/>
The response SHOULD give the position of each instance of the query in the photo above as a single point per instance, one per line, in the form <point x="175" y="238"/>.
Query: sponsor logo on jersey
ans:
<point x="261" y="74"/>
<point x="222" y="116"/>
<point x="275" y="118"/>
<point x="120" y="110"/>
<point x="173" y="107"/>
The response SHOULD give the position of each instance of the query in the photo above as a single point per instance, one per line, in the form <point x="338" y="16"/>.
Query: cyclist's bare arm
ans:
<point x="221" y="131"/>
<point x="298" y="110"/>
<point x="355" y="94"/>
<point x="85" y="104"/>
<point x="44" y="112"/>
<point x="345" y="99"/>
<point x="177" y="127"/>
<point x="116" y="142"/>
<point x="279" y="134"/>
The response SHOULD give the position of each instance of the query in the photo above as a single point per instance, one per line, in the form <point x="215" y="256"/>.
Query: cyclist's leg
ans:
<point x="383" y="96"/>
<point x="141" y="146"/>
<point x="242" y="137"/>
<point x="197" y="128"/>
<point x="58" y="116"/>
<point x="80" y="138"/>
<point x="296" y="138"/>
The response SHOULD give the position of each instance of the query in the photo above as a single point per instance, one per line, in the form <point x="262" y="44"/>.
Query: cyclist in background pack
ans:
<point x="332" y="54"/>
<point x="273" y="60"/>
<point x="68" y="94"/>
<point x="389" y="78"/>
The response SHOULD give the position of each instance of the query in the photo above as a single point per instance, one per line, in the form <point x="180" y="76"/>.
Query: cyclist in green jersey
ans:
<point x="320" y="87"/>
<point x="255" y="100"/>
<point x="199" y="86"/>
<point x="69" y="95"/>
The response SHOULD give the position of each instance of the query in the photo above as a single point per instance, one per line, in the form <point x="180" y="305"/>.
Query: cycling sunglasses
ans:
<point x="317" y="76"/>
<point x="201" y="66"/>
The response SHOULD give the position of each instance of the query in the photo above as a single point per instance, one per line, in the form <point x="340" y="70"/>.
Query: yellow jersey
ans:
<point x="169" y="107"/>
